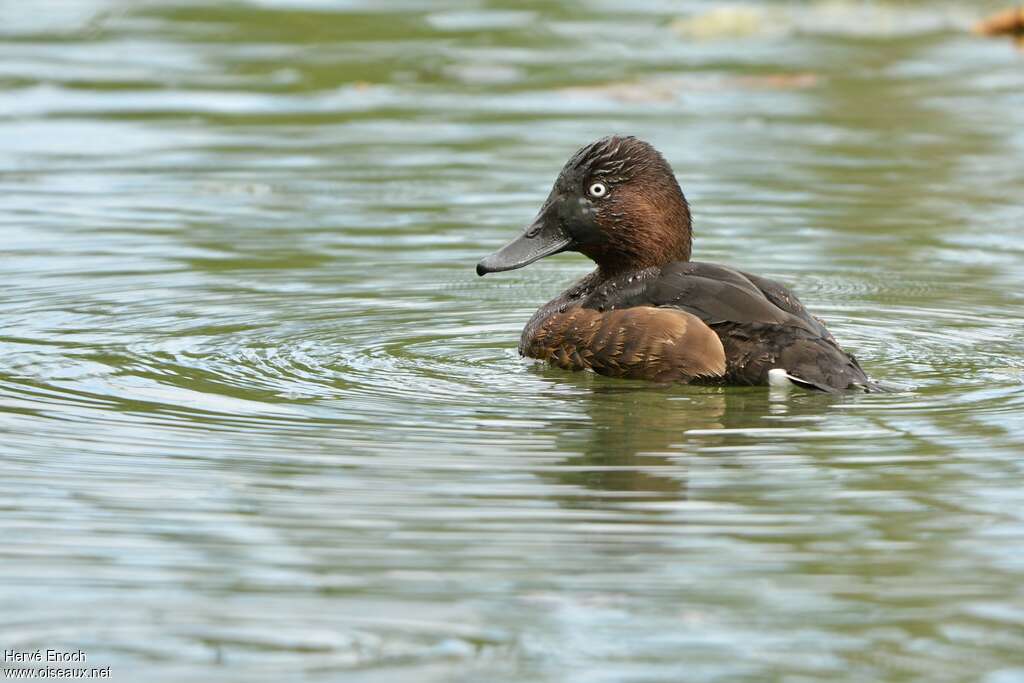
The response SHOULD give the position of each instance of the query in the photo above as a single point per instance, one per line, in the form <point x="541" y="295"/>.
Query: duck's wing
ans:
<point x="780" y="295"/>
<point x="761" y="324"/>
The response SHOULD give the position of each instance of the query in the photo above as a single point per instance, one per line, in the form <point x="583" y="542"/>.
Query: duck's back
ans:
<point x="760" y="324"/>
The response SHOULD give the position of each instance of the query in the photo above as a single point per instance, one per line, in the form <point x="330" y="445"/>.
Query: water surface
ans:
<point x="259" y="419"/>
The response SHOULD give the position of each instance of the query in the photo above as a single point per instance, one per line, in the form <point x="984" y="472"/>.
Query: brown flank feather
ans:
<point x="643" y="342"/>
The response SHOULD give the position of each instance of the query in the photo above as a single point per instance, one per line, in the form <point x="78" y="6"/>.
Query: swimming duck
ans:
<point x="647" y="311"/>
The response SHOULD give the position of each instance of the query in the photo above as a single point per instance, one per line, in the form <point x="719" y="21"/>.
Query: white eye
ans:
<point x="598" y="190"/>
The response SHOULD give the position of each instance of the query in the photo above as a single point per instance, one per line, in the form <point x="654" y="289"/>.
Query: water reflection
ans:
<point x="637" y="441"/>
<point x="630" y="445"/>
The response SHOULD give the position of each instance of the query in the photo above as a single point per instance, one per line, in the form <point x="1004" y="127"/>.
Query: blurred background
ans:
<point x="259" y="419"/>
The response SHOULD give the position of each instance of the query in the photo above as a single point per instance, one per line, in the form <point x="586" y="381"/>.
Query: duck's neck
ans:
<point x="647" y="251"/>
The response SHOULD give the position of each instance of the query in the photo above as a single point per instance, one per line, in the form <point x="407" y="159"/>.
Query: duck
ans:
<point x="647" y="311"/>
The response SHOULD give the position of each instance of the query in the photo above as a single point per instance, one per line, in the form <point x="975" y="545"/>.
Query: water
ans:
<point x="261" y="421"/>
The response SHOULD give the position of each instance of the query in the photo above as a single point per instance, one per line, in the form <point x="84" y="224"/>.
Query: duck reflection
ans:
<point x="633" y="443"/>
<point x="633" y="446"/>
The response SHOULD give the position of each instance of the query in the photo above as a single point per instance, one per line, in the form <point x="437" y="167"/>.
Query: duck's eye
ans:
<point x="598" y="190"/>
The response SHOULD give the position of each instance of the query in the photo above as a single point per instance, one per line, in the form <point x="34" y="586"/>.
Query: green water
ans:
<point x="260" y="421"/>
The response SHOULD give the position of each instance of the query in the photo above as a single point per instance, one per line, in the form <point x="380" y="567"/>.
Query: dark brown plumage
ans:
<point x="647" y="311"/>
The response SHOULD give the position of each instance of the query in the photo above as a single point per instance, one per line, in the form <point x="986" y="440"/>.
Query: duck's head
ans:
<point x="615" y="201"/>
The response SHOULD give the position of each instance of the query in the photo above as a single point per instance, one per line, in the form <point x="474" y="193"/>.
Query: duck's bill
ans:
<point x="541" y="239"/>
